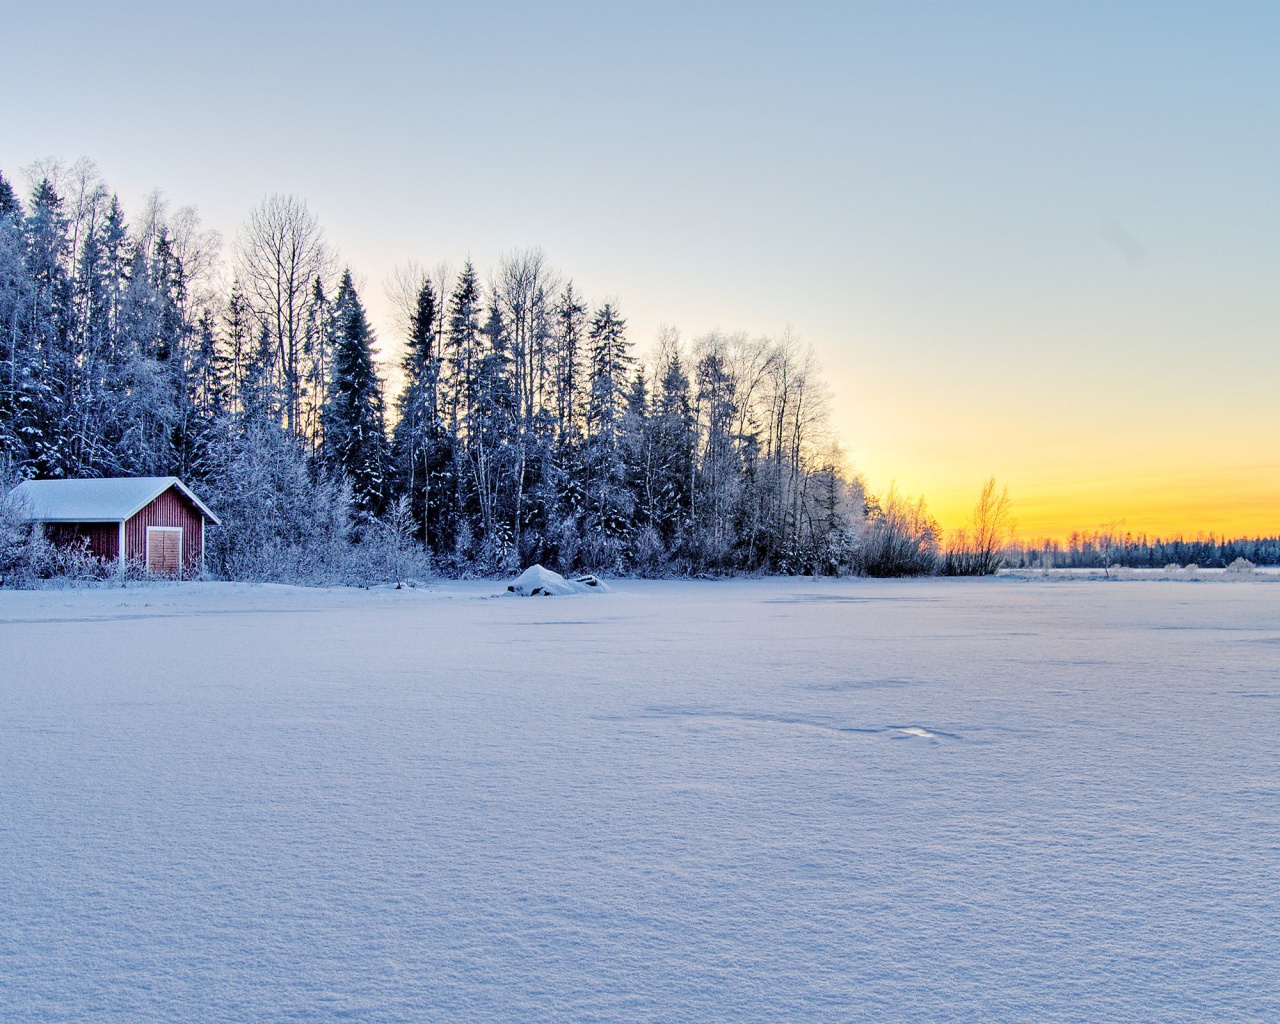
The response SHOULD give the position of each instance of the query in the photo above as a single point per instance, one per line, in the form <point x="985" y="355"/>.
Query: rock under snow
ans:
<point x="536" y="581"/>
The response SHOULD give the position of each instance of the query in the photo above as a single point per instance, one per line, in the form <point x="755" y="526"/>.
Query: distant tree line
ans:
<point x="521" y="427"/>
<point x="1103" y="548"/>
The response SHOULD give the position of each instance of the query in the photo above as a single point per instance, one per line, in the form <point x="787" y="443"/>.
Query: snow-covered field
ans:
<point x="1009" y="799"/>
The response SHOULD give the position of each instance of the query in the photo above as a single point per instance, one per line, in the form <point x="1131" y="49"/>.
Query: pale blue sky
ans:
<point x="1035" y="240"/>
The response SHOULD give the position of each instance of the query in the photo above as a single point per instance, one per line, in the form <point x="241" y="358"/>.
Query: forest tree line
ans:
<point x="520" y="426"/>
<point x="523" y="427"/>
<point x="1100" y="549"/>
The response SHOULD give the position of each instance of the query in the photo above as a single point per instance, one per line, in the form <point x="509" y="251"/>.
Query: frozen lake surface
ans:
<point x="782" y="800"/>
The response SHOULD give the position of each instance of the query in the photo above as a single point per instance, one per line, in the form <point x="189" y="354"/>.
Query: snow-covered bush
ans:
<point x="1241" y="567"/>
<point x="902" y="539"/>
<point x="284" y="522"/>
<point x="278" y="523"/>
<point x="27" y="556"/>
<point x="648" y="555"/>
<point x="388" y="551"/>
<point x="69" y="563"/>
<point x="19" y="543"/>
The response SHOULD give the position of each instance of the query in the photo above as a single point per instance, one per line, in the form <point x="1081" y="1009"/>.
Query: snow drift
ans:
<point x="536" y="581"/>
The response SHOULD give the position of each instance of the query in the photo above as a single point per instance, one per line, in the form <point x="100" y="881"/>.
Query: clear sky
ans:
<point x="1031" y="240"/>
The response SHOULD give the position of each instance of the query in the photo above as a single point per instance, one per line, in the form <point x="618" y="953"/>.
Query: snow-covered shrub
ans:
<point x="1172" y="568"/>
<point x="278" y="523"/>
<point x="24" y="552"/>
<point x="648" y="555"/>
<point x="902" y="539"/>
<point x="15" y="534"/>
<point x="27" y="555"/>
<point x="388" y="551"/>
<point x="1241" y="567"/>
<point x="69" y="563"/>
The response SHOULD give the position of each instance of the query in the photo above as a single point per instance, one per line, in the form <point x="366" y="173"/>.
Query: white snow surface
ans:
<point x="1008" y="799"/>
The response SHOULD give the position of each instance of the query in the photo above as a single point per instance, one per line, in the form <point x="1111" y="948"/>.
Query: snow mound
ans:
<point x="536" y="581"/>
<point x="915" y="730"/>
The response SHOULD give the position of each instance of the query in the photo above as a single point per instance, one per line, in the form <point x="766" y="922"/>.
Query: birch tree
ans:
<point x="281" y="252"/>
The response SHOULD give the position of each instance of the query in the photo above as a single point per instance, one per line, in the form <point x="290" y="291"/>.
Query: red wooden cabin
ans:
<point x="154" y="521"/>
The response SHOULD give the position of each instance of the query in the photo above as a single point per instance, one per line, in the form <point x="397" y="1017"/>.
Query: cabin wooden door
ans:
<point x="164" y="550"/>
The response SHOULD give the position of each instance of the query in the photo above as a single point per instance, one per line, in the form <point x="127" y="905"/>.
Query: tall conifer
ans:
<point x="417" y="429"/>
<point x="355" y="442"/>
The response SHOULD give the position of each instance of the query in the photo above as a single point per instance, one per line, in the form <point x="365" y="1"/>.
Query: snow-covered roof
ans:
<point x="107" y="500"/>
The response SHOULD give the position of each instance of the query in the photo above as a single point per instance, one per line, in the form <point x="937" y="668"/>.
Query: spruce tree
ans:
<point x="9" y="204"/>
<point x="258" y="396"/>
<point x="462" y="346"/>
<point x="609" y="502"/>
<point x="355" y="442"/>
<point x="17" y="369"/>
<point x="315" y="363"/>
<point x="673" y="450"/>
<point x="570" y="326"/>
<point x="50" y="431"/>
<point x="636" y="442"/>
<point x="610" y="360"/>
<point x="417" y="430"/>
<point x="237" y="333"/>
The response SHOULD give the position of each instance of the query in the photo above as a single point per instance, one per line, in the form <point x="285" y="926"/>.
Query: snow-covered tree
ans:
<point x="355" y="440"/>
<point x="524" y="429"/>
<point x="419" y="430"/>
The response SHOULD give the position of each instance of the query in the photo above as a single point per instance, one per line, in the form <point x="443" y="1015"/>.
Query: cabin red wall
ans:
<point x="170" y="509"/>
<point x="103" y="538"/>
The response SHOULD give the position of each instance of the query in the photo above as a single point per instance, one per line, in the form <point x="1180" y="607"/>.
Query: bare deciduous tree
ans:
<point x="978" y="549"/>
<point x="403" y="288"/>
<point x="282" y="252"/>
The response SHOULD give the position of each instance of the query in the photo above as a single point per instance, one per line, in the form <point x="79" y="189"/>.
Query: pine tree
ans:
<point x="609" y="503"/>
<point x="17" y="369"/>
<point x="355" y="442"/>
<point x="609" y="363"/>
<point x="718" y="477"/>
<point x="10" y="206"/>
<point x="462" y="346"/>
<point x="570" y="326"/>
<point x="238" y="332"/>
<point x="315" y="362"/>
<point x="673" y="451"/>
<point x="417" y="432"/>
<point x="50" y="429"/>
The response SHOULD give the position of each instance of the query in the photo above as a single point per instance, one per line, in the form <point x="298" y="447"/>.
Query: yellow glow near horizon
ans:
<point x="1205" y="474"/>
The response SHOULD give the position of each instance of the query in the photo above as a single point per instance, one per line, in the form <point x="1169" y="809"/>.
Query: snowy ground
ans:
<point x="987" y="800"/>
